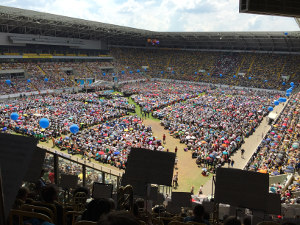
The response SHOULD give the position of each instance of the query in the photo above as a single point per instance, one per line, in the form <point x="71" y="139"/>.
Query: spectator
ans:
<point x="198" y="214"/>
<point x="118" y="218"/>
<point x="95" y="209"/>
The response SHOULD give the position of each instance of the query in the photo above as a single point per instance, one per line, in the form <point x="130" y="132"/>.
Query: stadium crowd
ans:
<point x="54" y="75"/>
<point x="212" y="122"/>
<point x="154" y="95"/>
<point x="239" y="69"/>
<point x="214" y="125"/>
<point x="102" y="138"/>
<point x="110" y="142"/>
<point x="265" y="70"/>
<point x="278" y="153"/>
<point x="62" y="111"/>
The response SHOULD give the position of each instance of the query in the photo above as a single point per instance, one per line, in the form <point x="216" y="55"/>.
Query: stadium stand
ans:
<point x="265" y="70"/>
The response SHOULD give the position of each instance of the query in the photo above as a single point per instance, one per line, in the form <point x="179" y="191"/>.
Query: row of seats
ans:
<point x="265" y="70"/>
<point x="126" y="209"/>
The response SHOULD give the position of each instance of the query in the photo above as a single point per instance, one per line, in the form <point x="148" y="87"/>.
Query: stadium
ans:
<point x="107" y="124"/>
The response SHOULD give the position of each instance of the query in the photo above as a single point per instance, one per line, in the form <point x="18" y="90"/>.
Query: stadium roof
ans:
<point x="14" y="20"/>
<point x="298" y="21"/>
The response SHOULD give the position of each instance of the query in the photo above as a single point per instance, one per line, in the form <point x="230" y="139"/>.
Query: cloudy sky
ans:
<point x="162" y="15"/>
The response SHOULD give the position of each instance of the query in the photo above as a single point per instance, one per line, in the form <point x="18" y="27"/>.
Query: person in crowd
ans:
<point x="231" y="220"/>
<point x="41" y="183"/>
<point x="95" y="209"/>
<point x="247" y="220"/>
<point x="200" y="192"/>
<point x="242" y="153"/>
<point x="198" y="214"/>
<point x="175" y="180"/>
<point x="21" y="198"/>
<point x="118" y="218"/>
<point x="49" y="195"/>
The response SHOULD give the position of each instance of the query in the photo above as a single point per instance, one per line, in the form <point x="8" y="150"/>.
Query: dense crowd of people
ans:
<point x="54" y="75"/>
<point x="238" y="69"/>
<point x="62" y="110"/>
<point x="214" y="125"/>
<point x="154" y="95"/>
<point x="264" y="70"/>
<point x="110" y="142"/>
<point x="278" y="153"/>
<point x="213" y="122"/>
<point x="102" y="135"/>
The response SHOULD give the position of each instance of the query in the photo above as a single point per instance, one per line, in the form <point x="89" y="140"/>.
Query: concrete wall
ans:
<point x="4" y="40"/>
<point x="83" y="44"/>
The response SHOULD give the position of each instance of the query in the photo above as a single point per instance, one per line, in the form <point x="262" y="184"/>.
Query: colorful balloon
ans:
<point x="74" y="128"/>
<point x="14" y="116"/>
<point x="44" y="123"/>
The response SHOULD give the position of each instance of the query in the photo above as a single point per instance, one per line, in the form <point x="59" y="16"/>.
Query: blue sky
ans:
<point x="164" y="15"/>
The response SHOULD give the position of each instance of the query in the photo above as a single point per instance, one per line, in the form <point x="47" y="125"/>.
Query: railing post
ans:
<point x="83" y="175"/>
<point x="103" y="177"/>
<point x="55" y="168"/>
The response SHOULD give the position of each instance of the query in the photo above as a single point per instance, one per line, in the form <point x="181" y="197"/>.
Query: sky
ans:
<point x="162" y="15"/>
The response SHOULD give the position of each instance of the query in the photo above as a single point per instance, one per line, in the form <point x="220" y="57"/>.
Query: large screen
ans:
<point x="150" y="167"/>
<point x="242" y="188"/>
<point x="101" y="190"/>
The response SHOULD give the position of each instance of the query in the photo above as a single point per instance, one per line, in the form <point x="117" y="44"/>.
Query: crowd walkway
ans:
<point x="249" y="146"/>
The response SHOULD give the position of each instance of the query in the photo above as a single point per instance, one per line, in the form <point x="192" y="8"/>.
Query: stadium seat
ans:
<point x="268" y="223"/>
<point x="39" y="209"/>
<point x="25" y="214"/>
<point x="84" y="222"/>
